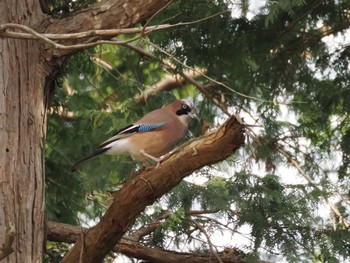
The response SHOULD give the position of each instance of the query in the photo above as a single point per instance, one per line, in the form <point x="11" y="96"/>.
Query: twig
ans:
<point x="300" y="170"/>
<point x="49" y="38"/>
<point x="187" y="77"/>
<point x="211" y="247"/>
<point x="204" y="75"/>
<point x="82" y="236"/>
<point x="151" y="18"/>
<point x="206" y="93"/>
<point x="167" y="83"/>
<point x="338" y="214"/>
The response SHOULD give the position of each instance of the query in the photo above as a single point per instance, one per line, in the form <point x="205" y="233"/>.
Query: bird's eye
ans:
<point x="184" y="106"/>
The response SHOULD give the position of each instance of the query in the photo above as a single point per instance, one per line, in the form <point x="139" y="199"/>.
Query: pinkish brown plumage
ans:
<point x="154" y="135"/>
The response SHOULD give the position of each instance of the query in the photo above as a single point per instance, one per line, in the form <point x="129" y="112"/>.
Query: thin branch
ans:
<point x="186" y="77"/>
<point x="211" y="246"/>
<point x="338" y="214"/>
<point x="151" y="227"/>
<point x="310" y="181"/>
<point x="145" y="230"/>
<point x="168" y="83"/>
<point x="31" y="34"/>
<point x="153" y="16"/>
<point x="205" y="76"/>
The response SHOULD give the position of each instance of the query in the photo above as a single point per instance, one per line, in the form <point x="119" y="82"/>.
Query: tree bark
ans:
<point x="22" y="135"/>
<point x="147" y="186"/>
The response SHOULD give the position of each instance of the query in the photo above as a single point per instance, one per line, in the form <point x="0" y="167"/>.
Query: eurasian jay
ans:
<point x="154" y="135"/>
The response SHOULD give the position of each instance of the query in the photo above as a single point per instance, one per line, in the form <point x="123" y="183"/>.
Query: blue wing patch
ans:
<point x="149" y="127"/>
<point x="138" y="128"/>
<point x="129" y="130"/>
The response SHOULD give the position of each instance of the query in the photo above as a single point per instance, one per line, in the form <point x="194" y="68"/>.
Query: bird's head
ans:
<point x="184" y="110"/>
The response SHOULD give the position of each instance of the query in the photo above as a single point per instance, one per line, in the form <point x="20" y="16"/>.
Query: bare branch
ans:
<point x="211" y="246"/>
<point x="51" y="39"/>
<point x="168" y="83"/>
<point x="32" y="34"/>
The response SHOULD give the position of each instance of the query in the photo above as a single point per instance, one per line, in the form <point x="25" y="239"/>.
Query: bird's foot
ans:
<point x="156" y="159"/>
<point x="194" y="151"/>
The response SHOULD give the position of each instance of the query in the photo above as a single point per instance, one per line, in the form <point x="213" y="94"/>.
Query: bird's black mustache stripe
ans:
<point x="183" y="111"/>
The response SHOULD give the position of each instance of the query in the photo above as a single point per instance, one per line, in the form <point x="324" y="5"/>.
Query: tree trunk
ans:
<point x="22" y="136"/>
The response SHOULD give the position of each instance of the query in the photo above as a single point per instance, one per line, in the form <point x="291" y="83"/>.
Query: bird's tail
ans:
<point x="96" y="153"/>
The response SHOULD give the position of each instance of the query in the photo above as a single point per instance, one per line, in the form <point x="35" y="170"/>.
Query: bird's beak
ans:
<point x="193" y="115"/>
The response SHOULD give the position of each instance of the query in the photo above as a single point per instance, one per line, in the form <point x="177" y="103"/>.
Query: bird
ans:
<point x="154" y="135"/>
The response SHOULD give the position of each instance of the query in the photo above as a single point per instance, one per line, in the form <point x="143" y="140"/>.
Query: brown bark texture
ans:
<point x="27" y="71"/>
<point x="147" y="186"/>
<point x="22" y="136"/>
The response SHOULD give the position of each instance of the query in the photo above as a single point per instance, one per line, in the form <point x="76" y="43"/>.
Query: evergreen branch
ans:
<point x="200" y="87"/>
<point x="188" y="78"/>
<point x="204" y="75"/>
<point x="290" y="158"/>
<point x="295" y="22"/>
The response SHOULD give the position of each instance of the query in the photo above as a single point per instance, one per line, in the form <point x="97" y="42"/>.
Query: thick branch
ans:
<point x="147" y="186"/>
<point x="69" y="234"/>
<point x="109" y="14"/>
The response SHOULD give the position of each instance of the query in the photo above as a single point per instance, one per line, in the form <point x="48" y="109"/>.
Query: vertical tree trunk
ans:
<point x="22" y="134"/>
